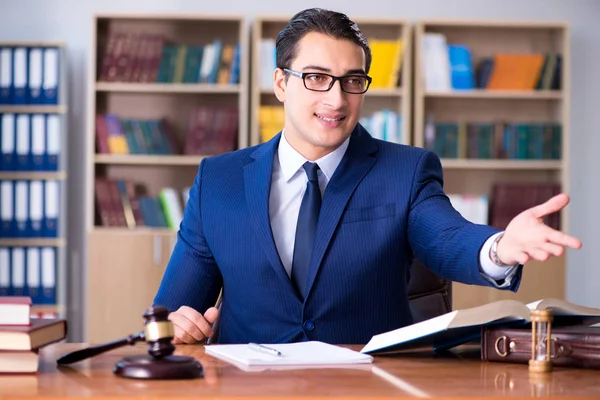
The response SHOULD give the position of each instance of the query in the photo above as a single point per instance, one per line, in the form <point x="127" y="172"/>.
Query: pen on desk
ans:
<point x="264" y="349"/>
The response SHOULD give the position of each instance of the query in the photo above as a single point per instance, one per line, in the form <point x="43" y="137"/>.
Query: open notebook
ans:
<point x="300" y="354"/>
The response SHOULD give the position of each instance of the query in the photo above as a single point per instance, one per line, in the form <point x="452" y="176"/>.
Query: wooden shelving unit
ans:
<point x="477" y="176"/>
<point x="125" y="265"/>
<point x="56" y="277"/>
<point x="396" y="99"/>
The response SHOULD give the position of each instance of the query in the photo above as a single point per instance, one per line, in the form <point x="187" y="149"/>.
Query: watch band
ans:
<point x="494" y="253"/>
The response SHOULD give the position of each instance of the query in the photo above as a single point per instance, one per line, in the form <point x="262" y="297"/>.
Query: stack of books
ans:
<point x="21" y="337"/>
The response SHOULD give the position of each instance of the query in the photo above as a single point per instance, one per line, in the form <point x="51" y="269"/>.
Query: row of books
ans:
<point x="140" y="57"/>
<point x="115" y="135"/>
<point x="29" y="271"/>
<point x="506" y="201"/>
<point x="22" y="334"/>
<point x="270" y="121"/>
<point x="124" y="203"/>
<point x="30" y="142"/>
<point x="29" y="75"/>
<point x="385" y="125"/>
<point x="451" y="67"/>
<point x="386" y="65"/>
<point x="515" y="141"/>
<point x="29" y="209"/>
<point x="210" y="130"/>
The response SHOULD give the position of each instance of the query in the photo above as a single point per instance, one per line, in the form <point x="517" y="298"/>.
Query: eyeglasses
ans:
<point x="321" y="82"/>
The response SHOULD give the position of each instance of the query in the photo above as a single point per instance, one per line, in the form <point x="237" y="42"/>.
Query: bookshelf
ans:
<point x="510" y="107"/>
<point x="152" y="68"/>
<point x="33" y="174"/>
<point x="380" y="96"/>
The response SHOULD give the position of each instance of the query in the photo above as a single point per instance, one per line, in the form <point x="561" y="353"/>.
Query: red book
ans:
<point x="15" y="310"/>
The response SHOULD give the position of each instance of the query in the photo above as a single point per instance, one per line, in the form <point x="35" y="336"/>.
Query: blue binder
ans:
<point x="23" y="142"/>
<point x="48" y="274"/>
<point x="7" y="209"/>
<point x="51" y="209"/>
<point x="5" y="271"/>
<point x="33" y="281"/>
<point x="36" y="69"/>
<point x="6" y="75"/>
<point x="51" y="77"/>
<point x="17" y="275"/>
<point x="20" y="75"/>
<point x="8" y="142"/>
<point x="21" y="209"/>
<point x="53" y="143"/>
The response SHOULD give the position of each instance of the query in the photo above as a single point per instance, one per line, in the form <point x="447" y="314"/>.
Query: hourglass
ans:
<point x="541" y="324"/>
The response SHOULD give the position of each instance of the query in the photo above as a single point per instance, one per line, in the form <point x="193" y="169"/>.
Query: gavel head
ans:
<point x="158" y="331"/>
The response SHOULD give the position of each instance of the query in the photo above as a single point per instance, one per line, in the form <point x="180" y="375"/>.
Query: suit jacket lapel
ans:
<point x="257" y="182"/>
<point x="355" y="164"/>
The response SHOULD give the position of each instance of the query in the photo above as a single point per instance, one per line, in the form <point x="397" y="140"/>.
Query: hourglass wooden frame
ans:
<point x="541" y="333"/>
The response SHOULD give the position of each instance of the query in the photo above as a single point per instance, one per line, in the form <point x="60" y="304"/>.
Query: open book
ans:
<point x="461" y="326"/>
<point x="291" y="354"/>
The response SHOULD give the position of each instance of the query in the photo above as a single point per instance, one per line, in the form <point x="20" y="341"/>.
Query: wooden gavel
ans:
<point x="158" y="364"/>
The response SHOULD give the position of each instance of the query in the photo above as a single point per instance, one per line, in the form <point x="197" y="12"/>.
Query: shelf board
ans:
<point x="126" y="87"/>
<point x="136" y="231"/>
<point x="31" y="44"/>
<point x="498" y="94"/>
<point x="32" y="109"/>
<point x="33" y="242"/>
<point x="32" y="175"/>
<point x="127" y="159"/>
<point x="502" y="164"/>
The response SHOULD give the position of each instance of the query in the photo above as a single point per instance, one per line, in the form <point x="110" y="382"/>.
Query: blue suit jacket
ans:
<point x="383" y="206"/>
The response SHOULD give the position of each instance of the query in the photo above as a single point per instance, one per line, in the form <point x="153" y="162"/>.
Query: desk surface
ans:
<point x="407" y="375"/>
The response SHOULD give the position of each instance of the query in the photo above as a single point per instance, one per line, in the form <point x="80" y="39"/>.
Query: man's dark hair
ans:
<point x="331" y="23"/>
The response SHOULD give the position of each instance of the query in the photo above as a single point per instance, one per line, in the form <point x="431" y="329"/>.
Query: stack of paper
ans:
<point x="292" y="354"/>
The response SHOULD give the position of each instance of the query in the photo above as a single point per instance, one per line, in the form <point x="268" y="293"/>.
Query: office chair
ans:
<point x="428" y="295"/>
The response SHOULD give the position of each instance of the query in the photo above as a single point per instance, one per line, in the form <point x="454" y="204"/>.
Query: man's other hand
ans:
<point x="192" y="327"/>
<point x="527" y="238"/>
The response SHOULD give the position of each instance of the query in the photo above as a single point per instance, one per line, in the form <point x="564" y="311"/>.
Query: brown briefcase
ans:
<point x="571" y="346"/>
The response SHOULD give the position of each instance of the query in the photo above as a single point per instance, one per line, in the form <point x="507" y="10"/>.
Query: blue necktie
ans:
<point x="306" y="228"/>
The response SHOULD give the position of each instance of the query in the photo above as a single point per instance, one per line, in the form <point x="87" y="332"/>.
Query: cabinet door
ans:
<point x="125" y="270"/>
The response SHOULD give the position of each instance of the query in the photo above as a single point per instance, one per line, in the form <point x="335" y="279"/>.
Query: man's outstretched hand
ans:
<point x="527" y="238"/>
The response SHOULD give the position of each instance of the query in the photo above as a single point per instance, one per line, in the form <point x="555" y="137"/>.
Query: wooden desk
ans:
<point x="413" y="375"/>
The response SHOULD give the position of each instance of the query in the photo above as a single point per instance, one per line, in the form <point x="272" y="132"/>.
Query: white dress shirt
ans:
<point x="288" y="184"/>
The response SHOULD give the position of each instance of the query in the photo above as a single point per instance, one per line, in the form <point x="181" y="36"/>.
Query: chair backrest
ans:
<point x="428" y="295"/>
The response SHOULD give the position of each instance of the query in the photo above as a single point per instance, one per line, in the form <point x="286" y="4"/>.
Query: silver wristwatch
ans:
<point x="494" y="253"/>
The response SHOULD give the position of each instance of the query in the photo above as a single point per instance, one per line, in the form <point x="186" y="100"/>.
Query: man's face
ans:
<point x="316" y="123"/>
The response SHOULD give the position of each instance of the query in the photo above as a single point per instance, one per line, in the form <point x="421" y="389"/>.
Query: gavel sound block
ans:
<point x="159" y="363"/>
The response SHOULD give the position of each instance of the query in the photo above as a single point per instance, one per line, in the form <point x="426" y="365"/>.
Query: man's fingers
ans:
<point x="538" y="254"/>
<point x="554" y="249"/>
<point x="181" y="336"/>
<point x="197" y="320"/>
<point x="185" y="329"/>
<point x="211" y="315"/>
<point x="556" y="203"/>
<point x="562" y="239"/>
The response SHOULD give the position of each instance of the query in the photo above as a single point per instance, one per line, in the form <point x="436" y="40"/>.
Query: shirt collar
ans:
<point x="291" y="161"/>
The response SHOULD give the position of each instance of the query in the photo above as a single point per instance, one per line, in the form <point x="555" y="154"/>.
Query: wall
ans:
<point x="69" y="21"/>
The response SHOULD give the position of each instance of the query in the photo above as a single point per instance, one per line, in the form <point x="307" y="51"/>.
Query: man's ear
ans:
<point x="279" y="84"/>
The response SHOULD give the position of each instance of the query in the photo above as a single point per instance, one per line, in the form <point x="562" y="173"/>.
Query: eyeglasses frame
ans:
<point x="302" y="75"/>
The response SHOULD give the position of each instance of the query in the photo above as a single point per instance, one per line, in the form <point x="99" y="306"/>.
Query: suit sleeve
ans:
<point x="439" y="236"/>
<point x="192" y="277"/>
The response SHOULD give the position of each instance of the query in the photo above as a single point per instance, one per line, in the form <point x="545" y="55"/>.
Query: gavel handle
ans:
<point x="82" y="354"/>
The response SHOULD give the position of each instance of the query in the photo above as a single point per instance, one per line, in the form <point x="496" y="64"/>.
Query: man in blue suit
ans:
<point x="311" y="235"/>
